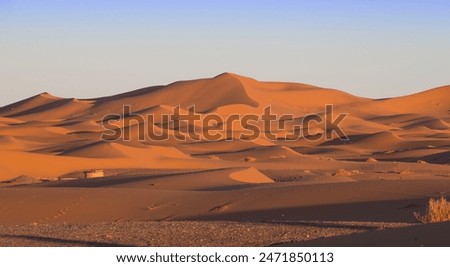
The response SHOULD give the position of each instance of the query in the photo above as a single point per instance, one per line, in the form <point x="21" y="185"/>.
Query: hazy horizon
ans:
<point x="83" y="49"/>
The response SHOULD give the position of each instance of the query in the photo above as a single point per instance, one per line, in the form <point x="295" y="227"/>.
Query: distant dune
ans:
<point x="67" y="129"/>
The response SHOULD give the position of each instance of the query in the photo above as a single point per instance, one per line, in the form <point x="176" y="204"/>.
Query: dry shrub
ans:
<point x="438" y="211"/>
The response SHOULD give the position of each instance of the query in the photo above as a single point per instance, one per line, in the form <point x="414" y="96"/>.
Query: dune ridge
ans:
<point x="374" y="126"/>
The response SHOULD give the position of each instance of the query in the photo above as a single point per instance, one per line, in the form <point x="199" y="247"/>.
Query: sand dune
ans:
<point x="7" y="140"/>
<point x="70" y="127"/>
<point x="34" y="102"/>
<point x="381" y="140"/>
<point x="95" y="150"/>
<point x="435" y="124"/>
<point x="434" y="101"/>
<point x="396" y="157"/>
<point x="250" y="175"/>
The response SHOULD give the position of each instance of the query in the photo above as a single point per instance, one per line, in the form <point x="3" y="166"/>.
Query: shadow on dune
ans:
<point x="330" y="225"/>
<point x="436" y="158"/>
<point x="328" y="215"/>
<point x="141" y="181"/>
<point x="42" y="241"/>
<point x="431" y="235"/>
<point x="107" y="181"/>
<point x="46" y="107"/>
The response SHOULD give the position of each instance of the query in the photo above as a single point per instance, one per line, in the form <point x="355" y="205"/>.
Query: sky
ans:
<point x="92" y="48"/>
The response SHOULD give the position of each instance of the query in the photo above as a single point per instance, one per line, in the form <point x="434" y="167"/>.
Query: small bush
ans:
<point x="438" y="211"/>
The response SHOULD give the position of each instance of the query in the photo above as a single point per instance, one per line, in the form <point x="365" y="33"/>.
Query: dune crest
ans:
<point x="250" y="175"/>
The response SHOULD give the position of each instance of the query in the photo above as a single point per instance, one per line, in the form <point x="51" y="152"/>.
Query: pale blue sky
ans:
<point x="95" y="48"/>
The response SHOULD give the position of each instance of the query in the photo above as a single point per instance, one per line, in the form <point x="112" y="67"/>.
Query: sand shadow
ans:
<point x="430" y="235"/>
<point x="63" y="242"/>
<point x="385" y="211"/>
<point x="118" y="180"/>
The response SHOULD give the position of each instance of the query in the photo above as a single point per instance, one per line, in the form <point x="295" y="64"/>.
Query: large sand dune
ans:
<point x="396" y="157"/>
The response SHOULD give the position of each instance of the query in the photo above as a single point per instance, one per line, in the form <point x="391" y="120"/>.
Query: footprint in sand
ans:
<point x="63" y="211"/>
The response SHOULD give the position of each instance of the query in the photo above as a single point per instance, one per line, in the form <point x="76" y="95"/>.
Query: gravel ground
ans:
<point x="178" y="233"/>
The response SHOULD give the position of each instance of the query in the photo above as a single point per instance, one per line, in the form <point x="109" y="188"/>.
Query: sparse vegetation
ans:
<point x="438" y="211"/>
